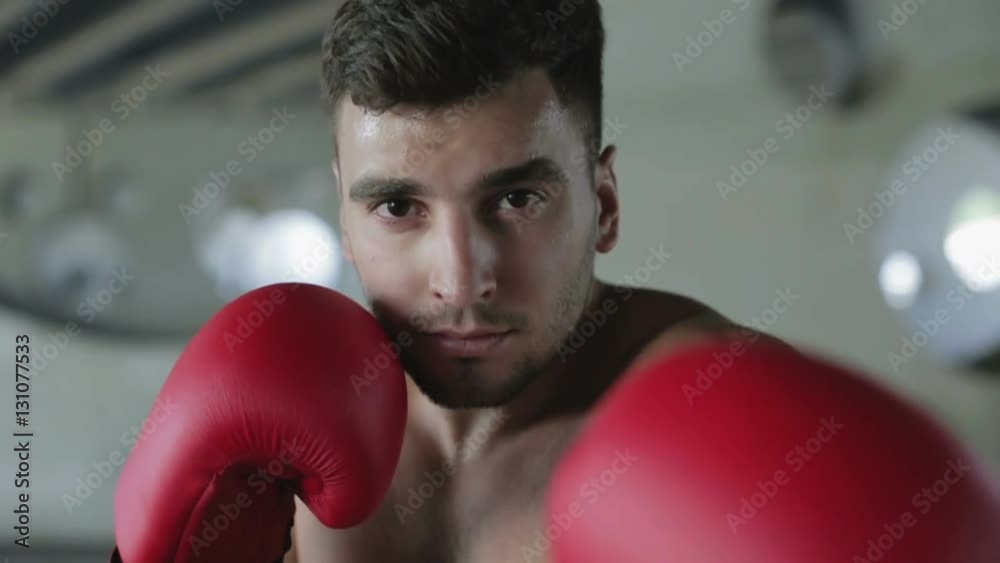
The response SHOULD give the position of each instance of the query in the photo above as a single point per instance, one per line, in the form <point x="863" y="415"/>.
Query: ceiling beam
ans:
<point x="94" y="43"/>
<point x="11" y="12"/>
<point x="198" y="61"/>
<point x="272" y="81"/>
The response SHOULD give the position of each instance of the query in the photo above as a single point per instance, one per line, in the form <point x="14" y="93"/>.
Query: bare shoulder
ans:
<point x="674" y="321"/>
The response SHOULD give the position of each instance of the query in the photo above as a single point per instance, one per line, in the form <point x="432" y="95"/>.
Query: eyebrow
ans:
<point x="537" y="169"/>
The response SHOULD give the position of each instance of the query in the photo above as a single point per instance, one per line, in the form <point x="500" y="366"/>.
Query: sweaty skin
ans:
<point x="437" y="248"/>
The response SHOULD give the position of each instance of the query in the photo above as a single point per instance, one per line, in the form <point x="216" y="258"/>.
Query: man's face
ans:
<point x="477" y="219"/>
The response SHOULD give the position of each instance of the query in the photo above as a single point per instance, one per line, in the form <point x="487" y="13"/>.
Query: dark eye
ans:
<point x="521" y="199"/>
<point x="396" y="208"/>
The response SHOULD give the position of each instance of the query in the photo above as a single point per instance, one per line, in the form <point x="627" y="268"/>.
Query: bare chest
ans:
<point x="483" y="509"/>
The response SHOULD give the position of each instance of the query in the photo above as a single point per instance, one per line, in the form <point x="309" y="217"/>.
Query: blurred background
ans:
<point x="158" y="159"/>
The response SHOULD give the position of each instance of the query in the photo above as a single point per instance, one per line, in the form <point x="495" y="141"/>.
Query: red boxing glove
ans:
<point x="263" y="404"/>
<point x="752" y="453"/>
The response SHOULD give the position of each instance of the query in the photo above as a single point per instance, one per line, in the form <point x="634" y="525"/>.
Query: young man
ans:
<point x="474" y="198"/>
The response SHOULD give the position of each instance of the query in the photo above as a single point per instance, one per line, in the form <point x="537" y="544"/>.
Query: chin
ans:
<point x="456" y="384"/>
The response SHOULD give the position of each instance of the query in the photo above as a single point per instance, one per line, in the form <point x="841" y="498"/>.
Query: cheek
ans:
<point x="374" y="267"/>
<point x="537" y="278"/>
<point x="392" y="276"/>
<point x="385" y="276"/>
<point x="546" y="250"/>
<point x="370" y="253"/>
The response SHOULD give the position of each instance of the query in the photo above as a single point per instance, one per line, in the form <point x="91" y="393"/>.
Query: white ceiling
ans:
<point x="643" y="35"/>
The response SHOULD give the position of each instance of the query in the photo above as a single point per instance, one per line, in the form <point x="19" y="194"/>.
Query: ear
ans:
<point x="344" y="234"/>
<point x="607" y="200"/>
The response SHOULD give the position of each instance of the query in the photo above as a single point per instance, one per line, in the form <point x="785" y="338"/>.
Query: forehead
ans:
<point x="498" y="127"/>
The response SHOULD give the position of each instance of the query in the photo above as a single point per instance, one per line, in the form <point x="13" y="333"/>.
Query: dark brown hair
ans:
<point x="433" y="53"/>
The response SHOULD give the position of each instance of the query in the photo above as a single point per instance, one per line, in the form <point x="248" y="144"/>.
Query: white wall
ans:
<point x="783" y="229"/>
<point x="96" y="388"/>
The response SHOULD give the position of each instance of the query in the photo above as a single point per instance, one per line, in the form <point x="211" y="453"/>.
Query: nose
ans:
<point x="463" y="265"/>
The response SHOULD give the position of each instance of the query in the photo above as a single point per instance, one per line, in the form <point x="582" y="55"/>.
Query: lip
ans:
<point x="469" y="344"/>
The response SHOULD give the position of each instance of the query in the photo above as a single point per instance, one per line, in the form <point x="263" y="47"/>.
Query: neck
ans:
<point x="543" y="397"/>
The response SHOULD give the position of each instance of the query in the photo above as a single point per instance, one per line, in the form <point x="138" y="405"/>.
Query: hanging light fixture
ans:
<point x="829" y="45"/>
<point x="937" y="247"/>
